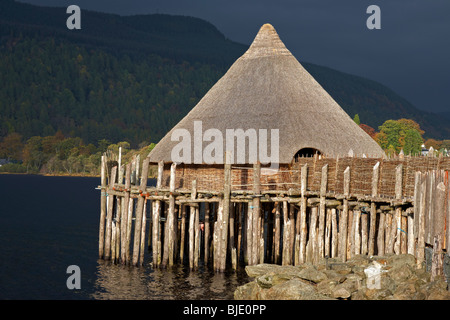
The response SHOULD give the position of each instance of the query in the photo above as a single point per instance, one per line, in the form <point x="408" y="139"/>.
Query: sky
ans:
<point x="410" y="53"/>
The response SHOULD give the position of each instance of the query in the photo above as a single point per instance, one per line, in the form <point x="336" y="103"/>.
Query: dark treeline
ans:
<point x="58" y="154"/>
<point x="48" y="86"/>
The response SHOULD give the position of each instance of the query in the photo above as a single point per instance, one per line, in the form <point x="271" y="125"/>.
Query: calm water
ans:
<point x="50" y="223"/>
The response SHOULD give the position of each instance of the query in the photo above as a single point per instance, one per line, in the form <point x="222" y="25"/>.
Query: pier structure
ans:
<point x="234" y="215"/>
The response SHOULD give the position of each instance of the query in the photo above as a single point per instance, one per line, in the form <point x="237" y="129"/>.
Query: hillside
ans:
<point x="132" y="78"/>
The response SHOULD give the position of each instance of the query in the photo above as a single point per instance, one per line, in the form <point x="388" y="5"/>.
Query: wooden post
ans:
<point x="250" y="233"/>
<point x="398" y="210"/>
<point x="303" y="227"/>
<point x="403" y="243"/>
<point x="169" y="241"/>
<point x="334" y="234"/>
<point x="232" y="244"/>
<point x="437" y="258"/>
<point x="113" y="232"/>
<point x="381" y="234"/>
<point x="327" y="233"/>
<point x="276" y="239"/>
<point x="156" y="219"/>
<point x="356" y="238"/>
<point x="226" y="211"/>
<point x="344" y="218"/>
<point x="421" y="227"/>
<point x="207" y="232"/>
<point x="286" y="254"/>
<point x="373" y="209"/>
<point x="322" y="211"/>
<point x="292" y="232"/>
<point x="103" y="197"/>
<point x="125" y="205"/>
<point x="364" y="235"/>
<point x="109" y="215"/>
<point x="313" y="236"/>
<point x="240" y="208"/>
<point x="192" y="226"/>
<point x="196" y="236"/>
<point x="139" y="211"/>
<point x="144" y="223"/>
<point x="182" y="231"/>
<point x="256" y="211"/>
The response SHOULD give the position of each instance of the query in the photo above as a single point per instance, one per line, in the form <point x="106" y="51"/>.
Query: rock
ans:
<point x="405" y="291"/>
<point x="248" y="291"/>
<point x="359" y="295"/>
<point x="378" y="294"/>
<point x="341" y="291"/>
<point x="341" y="268"/>
<point x="333" y="275"/>
<point x="312" y="274"/>
<point x="265" y="281"/>
<point x="437" y="290"/>
<point x="402" y="259"/>
<point x="401" y="272"/>
<point x="359" y="260"/>
<point x="392" y="277"/>
<point x="288" y="271"/>
<point x="294" y="289"/>
<point x="261" y="269"/>
<point x="326" y="287"/>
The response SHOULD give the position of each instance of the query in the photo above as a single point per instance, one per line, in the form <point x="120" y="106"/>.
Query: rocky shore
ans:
<point x="392" y="277"/>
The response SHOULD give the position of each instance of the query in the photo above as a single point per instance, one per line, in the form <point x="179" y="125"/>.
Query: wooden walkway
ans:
<point x="333" y="208"/>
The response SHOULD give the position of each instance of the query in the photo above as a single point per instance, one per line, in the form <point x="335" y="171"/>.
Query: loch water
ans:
<point x="50" y="223"/>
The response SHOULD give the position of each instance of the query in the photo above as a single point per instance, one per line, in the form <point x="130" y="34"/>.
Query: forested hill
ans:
<point x="131" y="78"/>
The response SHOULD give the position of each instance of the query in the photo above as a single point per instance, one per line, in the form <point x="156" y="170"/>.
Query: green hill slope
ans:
<point x="133" y="78"/>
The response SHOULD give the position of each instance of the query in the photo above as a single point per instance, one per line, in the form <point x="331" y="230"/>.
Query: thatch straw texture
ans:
<point x="267" y="88"/>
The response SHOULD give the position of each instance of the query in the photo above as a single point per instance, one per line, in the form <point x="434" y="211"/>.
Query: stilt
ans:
<point x="109" y="215"/>
<point x="207" y="233"/>
<point x="139" y="213"/>
<point x="171" y="218"/>
<point x="156" y="220"/>
<point x="103" y="198"/>
<point x="327" y="232"/>
<point x="125" y="205"/>
<point x="344" y="217"/>
<point x="192" y="226"/>
<point x="303" y="227"/>
<point x="334" y="234"/>
<point x="256" y="211"/>
<point x="373" y="209"/>
<point x="277" y="234"/>
<point x="226" y="203"/>
<point x="322" y="211"/>
<point x="364" y="235"/>
<point x="249" y="234"/>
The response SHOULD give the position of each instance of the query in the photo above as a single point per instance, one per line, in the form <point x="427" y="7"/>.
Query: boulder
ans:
<point x="391" y="277"/>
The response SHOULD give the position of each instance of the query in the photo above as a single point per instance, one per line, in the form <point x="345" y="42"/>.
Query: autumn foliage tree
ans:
<point x="402" y="134"/>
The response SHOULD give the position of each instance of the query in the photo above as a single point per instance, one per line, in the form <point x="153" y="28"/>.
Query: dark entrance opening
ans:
<point x="306" y="152"/>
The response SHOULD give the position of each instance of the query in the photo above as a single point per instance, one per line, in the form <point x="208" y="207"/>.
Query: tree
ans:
<point x="356" y="119"/>
<point x="396" y="135"/>
<point x="368" y="129"/>
<point x="436" y="144"/>
<point x="11" y="147"/>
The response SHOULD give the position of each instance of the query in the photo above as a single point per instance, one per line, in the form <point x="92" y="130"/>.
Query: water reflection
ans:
<point x="178" y="283"/>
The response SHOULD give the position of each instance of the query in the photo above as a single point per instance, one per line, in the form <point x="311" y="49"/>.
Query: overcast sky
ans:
<point x="410" y="53"/>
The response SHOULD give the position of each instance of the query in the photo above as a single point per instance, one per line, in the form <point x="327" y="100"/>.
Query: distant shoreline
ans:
<point x="55" y="174"/>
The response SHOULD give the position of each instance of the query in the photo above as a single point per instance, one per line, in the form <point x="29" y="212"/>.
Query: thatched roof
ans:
<point x="267" y="88"/>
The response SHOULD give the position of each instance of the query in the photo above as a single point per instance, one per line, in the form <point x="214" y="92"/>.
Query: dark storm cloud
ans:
<point x="409" y="54"/>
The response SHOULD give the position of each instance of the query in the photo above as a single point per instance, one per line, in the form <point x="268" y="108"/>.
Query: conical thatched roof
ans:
<point x="267" y="88"/>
